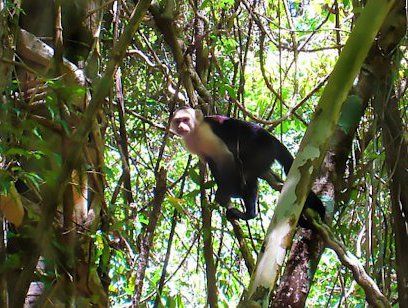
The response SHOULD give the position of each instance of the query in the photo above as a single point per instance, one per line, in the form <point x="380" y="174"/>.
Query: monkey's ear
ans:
<point x="199" y="115"/>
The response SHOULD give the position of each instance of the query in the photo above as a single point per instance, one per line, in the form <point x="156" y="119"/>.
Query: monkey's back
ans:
<point x="252" y="146"/>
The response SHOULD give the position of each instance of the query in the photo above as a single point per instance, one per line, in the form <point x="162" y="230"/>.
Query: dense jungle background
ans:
<point x="102" y="206"/>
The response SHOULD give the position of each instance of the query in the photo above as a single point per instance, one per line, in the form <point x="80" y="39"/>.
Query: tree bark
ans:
<point x="212" y="290"/>
<point x="147" y="237"/>
<point x="397" y="162"/>
<point x="331" y="182"/>
<point x="310" y="155"/>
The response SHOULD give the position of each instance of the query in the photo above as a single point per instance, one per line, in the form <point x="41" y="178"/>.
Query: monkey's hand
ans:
<point x="233" y="213"/>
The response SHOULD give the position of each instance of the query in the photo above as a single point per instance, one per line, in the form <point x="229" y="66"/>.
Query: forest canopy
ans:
<point x="102" y="205"/>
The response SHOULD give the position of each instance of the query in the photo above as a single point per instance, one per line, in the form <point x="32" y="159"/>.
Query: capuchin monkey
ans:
<point x="238" y="153"/>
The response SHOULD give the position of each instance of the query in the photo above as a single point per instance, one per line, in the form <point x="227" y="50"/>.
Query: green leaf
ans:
<point x="209" y="184"/>
<point x="30" y="178"/>
<point x="192" y="194"/>
<point x="351" y="113"/>
<point x="194" y="176"/>
<point x="5" y="183"/>
<point x="143" y="219"/>
<point x="13" y="261"/>
<point x="346" y="3"/>
<point x="176" y="203"/>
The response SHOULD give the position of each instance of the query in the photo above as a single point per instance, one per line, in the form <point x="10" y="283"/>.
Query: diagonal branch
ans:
<point x="373" y="294"/>
<point x="312" y="150"/>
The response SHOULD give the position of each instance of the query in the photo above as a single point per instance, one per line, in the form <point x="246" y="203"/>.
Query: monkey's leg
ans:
<point x="228" y="185"/>
<point x="249" y="195"/>
<point x="222" y="196"/>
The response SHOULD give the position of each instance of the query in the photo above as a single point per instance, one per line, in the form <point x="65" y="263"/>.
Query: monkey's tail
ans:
<point x="283" y="155"/>
<point x="284" y="158"/>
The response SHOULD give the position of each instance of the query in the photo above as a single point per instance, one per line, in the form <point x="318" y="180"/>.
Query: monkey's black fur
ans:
<point x="254" y="151"/>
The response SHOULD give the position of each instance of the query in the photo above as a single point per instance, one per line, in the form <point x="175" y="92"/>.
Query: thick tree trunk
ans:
<point x="72" y="138"/>
<point x="331" y="183"/>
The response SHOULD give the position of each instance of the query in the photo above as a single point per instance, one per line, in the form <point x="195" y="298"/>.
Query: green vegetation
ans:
<point x="102" y="205"/>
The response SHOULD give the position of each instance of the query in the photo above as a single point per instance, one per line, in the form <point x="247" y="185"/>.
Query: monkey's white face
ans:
<point x="183" y="122"/>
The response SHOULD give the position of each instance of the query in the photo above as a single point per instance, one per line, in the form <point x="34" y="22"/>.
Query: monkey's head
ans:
<point x="185" y="121"/>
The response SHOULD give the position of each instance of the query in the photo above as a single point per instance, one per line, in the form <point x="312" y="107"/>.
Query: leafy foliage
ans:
<point x="233" y="37"/>
<point x="262" y="61"/>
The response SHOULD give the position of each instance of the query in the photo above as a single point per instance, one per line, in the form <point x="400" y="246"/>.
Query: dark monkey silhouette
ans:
<point x="238" y="153"/>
